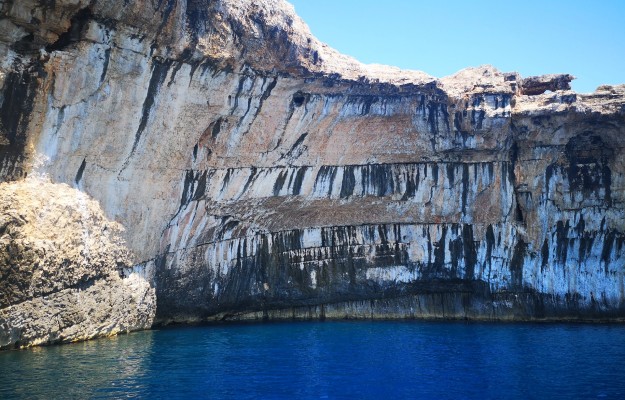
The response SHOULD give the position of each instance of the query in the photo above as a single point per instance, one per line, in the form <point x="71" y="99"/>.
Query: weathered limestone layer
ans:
<point x="262" y="174"/>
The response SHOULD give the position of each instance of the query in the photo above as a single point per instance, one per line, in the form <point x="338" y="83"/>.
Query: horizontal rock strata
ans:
<point x="259" y="173"/>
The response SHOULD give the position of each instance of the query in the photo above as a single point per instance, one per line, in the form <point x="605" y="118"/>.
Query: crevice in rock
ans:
<point x="77" y="24"/>
<point x="105" y="65"/>
<point x="26" y="45"/>
<point x="20" y="90"/>
<point x="299" y="99"/>
<point x="81" y="169"/>
<point x="516" y="264"/>
<point x="160" y="68"/>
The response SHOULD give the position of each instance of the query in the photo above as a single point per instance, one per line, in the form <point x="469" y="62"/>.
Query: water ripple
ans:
<point x="329" y="360"/>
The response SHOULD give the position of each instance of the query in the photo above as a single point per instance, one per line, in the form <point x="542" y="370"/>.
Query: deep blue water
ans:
<point x="316" y="360"/>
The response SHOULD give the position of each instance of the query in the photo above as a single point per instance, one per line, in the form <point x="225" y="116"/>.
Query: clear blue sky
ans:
<point x="440" y="37"/>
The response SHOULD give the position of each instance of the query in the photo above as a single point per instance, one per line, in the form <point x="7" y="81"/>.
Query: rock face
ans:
<point x="65" y="274"/>
<point x="264" y="175"/>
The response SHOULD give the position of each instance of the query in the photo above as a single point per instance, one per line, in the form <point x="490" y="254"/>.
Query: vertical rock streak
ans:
<point x="258" y="173"/>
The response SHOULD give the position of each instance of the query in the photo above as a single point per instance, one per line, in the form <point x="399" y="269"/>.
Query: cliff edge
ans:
<point x="258" y="173"/>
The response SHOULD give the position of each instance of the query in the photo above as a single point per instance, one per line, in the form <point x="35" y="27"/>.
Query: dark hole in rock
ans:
<point x="298" y="99"/>
<point x="78" y="23"/>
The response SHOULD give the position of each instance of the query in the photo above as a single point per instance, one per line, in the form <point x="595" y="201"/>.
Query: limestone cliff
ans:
<point x="260" y="174"/>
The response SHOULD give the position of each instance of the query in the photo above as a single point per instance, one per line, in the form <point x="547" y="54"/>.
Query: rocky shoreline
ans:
<point x="252" y="172"/>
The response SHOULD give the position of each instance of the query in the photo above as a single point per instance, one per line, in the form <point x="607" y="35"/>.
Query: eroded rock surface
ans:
<point x="534" y="85"/>
<point x="264" y="175"/>
<point x="65" y="274"/>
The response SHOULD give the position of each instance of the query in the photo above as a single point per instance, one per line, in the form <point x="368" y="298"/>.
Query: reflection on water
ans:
<point x="330" y="360"/>
<point x="78" y="370"/>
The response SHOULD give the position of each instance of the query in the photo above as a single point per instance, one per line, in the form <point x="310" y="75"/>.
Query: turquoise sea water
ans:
<point x="317" y="360"/>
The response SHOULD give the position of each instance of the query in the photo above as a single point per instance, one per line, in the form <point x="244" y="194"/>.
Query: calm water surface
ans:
<point x="330" y="360"/>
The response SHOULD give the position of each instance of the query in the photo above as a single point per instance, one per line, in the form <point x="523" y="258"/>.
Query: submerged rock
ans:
<point x="259" y="173"/>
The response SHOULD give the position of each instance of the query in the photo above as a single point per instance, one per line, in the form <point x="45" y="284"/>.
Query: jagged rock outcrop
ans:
<point x="534" y="85"/>
<point x="65" y="274"/>
<point x="262" y="174"/>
